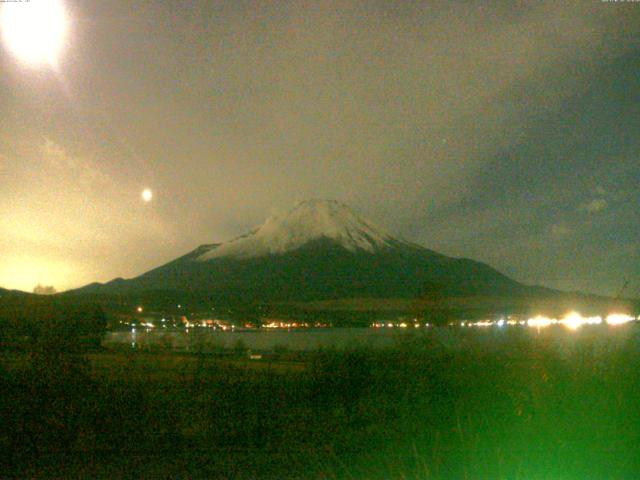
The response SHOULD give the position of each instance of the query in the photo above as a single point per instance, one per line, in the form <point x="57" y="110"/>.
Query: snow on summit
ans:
<point x="309" y="220"/>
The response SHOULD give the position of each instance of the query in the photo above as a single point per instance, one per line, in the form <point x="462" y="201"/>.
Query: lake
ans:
<point x="206" y="340"/>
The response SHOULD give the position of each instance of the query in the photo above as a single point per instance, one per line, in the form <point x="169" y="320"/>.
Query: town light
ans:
<point x="619" y="318"/>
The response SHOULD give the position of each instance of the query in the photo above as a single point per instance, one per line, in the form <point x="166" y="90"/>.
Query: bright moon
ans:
<point x="147" y="195"/>
<point x="34" y="31"/>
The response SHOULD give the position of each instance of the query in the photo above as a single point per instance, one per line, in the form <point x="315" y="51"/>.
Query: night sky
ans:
<point x="507" y="132"/>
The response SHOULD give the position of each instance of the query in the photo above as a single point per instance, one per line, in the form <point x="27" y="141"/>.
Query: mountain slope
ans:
<point x="12" y="293"/>
<point x="318" y="250"/>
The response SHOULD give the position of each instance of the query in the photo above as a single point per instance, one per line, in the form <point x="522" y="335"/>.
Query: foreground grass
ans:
<point x="522" y="408"/>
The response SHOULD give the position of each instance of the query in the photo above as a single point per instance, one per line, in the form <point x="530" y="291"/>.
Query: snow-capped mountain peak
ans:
<point x="309" y="220"/>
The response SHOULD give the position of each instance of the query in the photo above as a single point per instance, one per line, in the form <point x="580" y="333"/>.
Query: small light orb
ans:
<point x="147" y="195"/>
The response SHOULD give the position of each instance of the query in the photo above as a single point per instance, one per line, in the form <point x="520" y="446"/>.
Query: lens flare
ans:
<point x="34" y="31"/>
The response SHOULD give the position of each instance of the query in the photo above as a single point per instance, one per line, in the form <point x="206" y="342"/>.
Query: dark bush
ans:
<point x="51" y="324"/>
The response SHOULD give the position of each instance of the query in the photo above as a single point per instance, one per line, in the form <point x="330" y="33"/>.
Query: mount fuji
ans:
<point x="319" y="250"/>
<point x="307" y="222"/>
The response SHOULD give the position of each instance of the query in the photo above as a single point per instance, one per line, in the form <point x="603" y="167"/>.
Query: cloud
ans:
<point x="594" y="206"/>
<point x="560" y="230"/>
<point x="346" y="96"/>
<point x="82" y="168"/>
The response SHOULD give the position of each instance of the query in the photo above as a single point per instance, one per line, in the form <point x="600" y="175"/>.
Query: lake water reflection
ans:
<point x="207" y="340"/>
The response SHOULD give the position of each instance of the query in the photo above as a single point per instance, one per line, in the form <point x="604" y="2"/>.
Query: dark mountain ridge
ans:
<point x="320" y="250"/>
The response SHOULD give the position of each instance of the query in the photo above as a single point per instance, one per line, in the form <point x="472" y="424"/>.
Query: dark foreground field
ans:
<point x="522" y="409"/>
